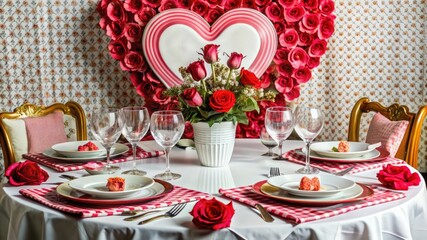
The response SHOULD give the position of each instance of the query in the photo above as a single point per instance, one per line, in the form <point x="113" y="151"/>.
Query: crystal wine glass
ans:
<point x="167" y="127"/>
<point x="135" y="123"/>
<point x="279" y="122"/>
<point x="106" y="129"/>
<point x="309" y="123"/>
<point x="269" y="142"/>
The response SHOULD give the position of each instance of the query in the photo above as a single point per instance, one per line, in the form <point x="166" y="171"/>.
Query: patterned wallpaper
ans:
<point x="54" y="51"/>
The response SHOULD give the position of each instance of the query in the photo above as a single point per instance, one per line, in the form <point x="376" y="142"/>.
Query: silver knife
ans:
<point x="264" y="213"/>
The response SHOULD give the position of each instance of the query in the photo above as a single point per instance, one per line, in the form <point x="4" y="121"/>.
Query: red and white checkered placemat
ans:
<point x="301" y="214"/>
<point x="48" y="197"/>
<point x="63" y="166"/>
<point x="293" y="156"/>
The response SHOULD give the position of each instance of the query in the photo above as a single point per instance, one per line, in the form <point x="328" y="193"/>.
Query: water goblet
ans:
<point x="309" y="123"/>
<point x="279" y="122"/>
<point x="167" y="127"/>
<point x="106" y="128"/>
<point x="269" y="142"/>
<point x="135" y="122"/>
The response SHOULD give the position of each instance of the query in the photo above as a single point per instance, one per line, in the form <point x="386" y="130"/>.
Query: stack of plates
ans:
<point x="68" y="151"/>
<point x="334" y="190"/>
<point x="93" y="190"/>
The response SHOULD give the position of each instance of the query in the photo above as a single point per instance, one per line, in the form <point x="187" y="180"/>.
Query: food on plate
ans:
<point x="89" y="146"/>
<point x="308" y="184"/>
<point x="116" y="184"/>
<point x="343" y="146"/>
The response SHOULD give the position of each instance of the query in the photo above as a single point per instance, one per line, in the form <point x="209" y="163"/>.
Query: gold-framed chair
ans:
<point x="408" y="149"/>
<point x="70" y="109"/>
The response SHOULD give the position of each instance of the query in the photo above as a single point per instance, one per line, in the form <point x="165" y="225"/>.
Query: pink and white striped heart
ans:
<point x="172" y="39"/>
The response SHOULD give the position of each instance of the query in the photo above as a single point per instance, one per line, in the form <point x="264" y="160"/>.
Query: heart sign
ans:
<point x="173" y="37"/>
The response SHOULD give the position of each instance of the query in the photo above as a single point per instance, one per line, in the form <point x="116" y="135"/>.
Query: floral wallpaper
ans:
<point x="55" y="51"/>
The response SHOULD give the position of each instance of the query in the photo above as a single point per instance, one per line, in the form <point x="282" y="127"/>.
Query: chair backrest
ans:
<point x="408" y="149"/>
<point x="71" y="110"/>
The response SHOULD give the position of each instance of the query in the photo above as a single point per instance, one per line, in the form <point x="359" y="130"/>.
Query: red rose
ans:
<point x="133" y="32"/>
<point x="248" y="4"/>
<point x="222" y="101"/>
<point x="284" y="84"/>
<point x="230" y="4"/>
<point x="285" y="69"/>
<point x="21" y="173"/>
<point x="309" y="23"/>
<point x="305" y="39"/>
<point x="160" y="98"/>
<point x="327" y="7"/>
<point x="116" y="12"/>
<point x="184" y="3"/>
<point x="133" y="61"/>
<point x="313" y="62"/>
<point x="294" y="14"/>
<point x="298" y="57"/>
<point x="252" y="129"/>
<point x="115" y="30"/>
<point x="281" y="55"/>
<point x="144" y="16"/>
<point x="317" y="48"/>
<point x="200" y="7"/>
<point x="168" y="4"/>
<point x="266" y="79"/>
<point x="212" y="214"/>
<point x="118" y="49"/>
<point x="210" y="53"/>
<point x="235" y="60"/>
<point x="326" y="28"/>
<point x="398" y="177"/>
<point x="248" y="78"/>
<point x="152" y="3"/>
<point x="197" y="70"/>
<point x="293" y="94"/>
<point x="274" y="12"/>
<point x="311" y="4"/>
<point x="132" y="6"/>
<point x="192" y="97"/>
<point x="214" y="13"/>
<point x="262" y="3"/>
<point x="280" y="27"/>
<point x="302" y="75"/>
<point x="288" y="3"/>
<point x="289" y="39"/>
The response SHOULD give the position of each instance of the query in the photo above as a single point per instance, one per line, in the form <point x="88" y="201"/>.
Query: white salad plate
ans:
<point x="69" y="149"/>
<point x="96" y="185"/>
<point x="357" y="149"/>
<point x="118" y="150"/>
<point x="329" y="184"/>
<point x="376" y="155"/>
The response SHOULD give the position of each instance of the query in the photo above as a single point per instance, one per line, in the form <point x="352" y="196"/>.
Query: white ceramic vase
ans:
<point x="215" y="144"/>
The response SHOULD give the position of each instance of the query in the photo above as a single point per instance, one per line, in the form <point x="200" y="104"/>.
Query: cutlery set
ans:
<point x="173" y="212"/>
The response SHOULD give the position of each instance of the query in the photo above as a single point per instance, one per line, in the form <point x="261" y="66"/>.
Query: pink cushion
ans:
<point x="389" y="133"/>
<point x="45" y="131"/>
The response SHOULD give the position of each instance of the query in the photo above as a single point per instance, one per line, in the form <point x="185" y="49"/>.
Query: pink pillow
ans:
<point x="389" y="133"/>
<point x="45" y="131"/>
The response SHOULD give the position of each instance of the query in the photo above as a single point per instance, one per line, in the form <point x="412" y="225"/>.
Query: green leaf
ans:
<point x="334" y="149"/>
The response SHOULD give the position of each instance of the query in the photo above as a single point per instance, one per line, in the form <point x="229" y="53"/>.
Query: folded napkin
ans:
<point x="301" y="214"/>
<point x="293" y="156"/>
<point x="48" y="197"/>
<point x="62" y="166"/>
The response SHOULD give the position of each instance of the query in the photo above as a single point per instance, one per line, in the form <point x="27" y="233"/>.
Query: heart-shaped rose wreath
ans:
<point x="302" y="27"/>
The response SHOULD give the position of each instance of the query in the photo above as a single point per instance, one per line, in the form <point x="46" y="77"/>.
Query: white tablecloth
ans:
<point x="21" y="218"/>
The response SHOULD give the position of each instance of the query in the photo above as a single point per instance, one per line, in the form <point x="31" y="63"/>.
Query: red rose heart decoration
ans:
<point x="173" y="37"/>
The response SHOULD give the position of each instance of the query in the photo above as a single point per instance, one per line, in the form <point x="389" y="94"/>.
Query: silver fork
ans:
<point x="170" y="214"/>
<point x="274" y="171"/>
<point x="340" y="173"/>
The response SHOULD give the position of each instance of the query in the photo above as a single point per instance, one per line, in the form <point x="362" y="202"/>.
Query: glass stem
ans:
<point x="280" y="148"/>
<point x="108" y="166"/>
<point x="307" y="156"/>
<point x="270" y="151"/>
<point x="134" y="155"/>
<point x="167" y="150"/>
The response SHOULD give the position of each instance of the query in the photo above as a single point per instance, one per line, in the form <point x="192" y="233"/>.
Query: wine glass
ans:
<point x="167" y="127"/>
<point x="106" y="129"/>
<point x="269" y="142"/>
<point x="279" y="122"/>
<point x="135" y="122"/>
<point x="309" y="123"/>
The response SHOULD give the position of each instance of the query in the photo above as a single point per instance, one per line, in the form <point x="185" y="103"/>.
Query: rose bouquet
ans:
<point x="226" y="95"/>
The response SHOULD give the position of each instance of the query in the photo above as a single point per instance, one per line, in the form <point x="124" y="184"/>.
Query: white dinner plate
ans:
<point x="95" y="185"/>
<point x="376" y="155"/>
<point x="329" y="184"/>
<point x="69" y="149"/>
<point x="356" y="193"/>
<point x="357" y="149"/>
<point x="118" y="150"/>
<point x="157" y="190"/>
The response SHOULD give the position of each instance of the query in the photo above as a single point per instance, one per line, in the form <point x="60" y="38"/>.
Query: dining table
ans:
<point x="386" y="214"/>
